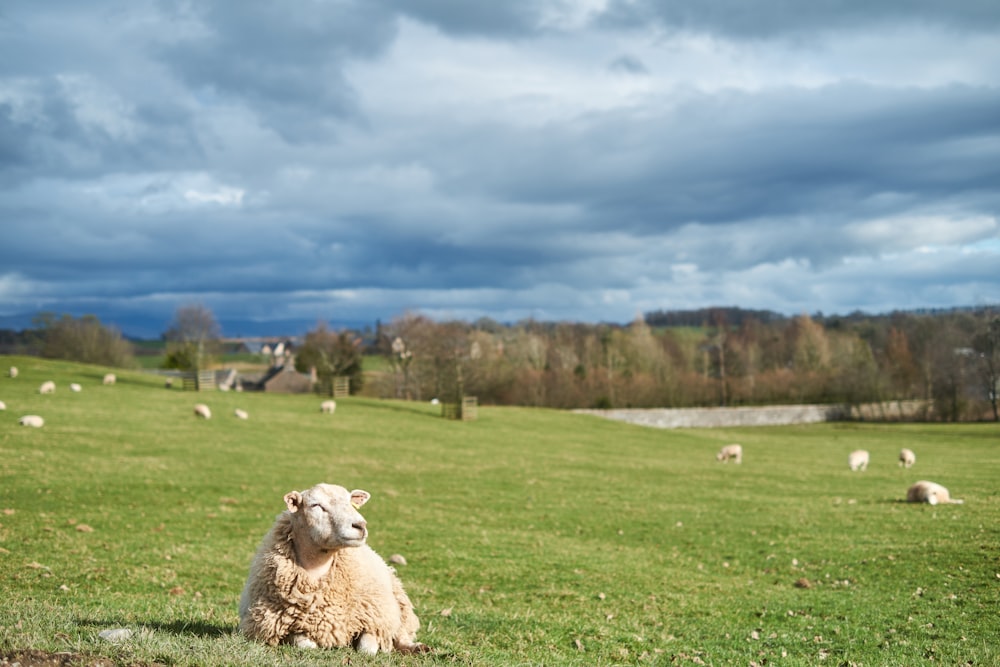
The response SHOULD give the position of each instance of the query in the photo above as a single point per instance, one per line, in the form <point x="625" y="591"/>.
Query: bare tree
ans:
<point x="986" y="344"/>
<point x="85" y="340"/>
<point x="193" y="337"/>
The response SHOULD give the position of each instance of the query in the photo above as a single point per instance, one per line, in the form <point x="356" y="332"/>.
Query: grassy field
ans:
<point x="534" y="537"/>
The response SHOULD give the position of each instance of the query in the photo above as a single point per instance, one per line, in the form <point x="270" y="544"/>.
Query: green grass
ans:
<point x="549" y="538"/>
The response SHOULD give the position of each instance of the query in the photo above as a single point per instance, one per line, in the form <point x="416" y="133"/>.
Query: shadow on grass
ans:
<point x="196" y="628"/>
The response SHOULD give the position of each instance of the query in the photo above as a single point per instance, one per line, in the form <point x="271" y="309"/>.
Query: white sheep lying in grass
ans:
<point x="12" y="372"/>
<point x="241" y="414"/>
<point x="202" y="410"/>
<point x="73" y="386"/>
<point x="858" y="460"/>
<point x="3" y="406"/>
<point x="315" y="582"/>
<point x="907" y="458"/>
<point x="734" y="452"/>
<point x="328" y="407"/>
<point x="31" y="420"/>
<point x="48" y="387"/>
<point x="931" y="493"/>
<point x="110" y="378"/>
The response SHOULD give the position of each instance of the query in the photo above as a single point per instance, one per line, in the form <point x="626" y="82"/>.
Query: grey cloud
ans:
<point x="829" y="152"/>
<point x="238" y="156"/>
<point x="775" y="18"/>
<point x="513" y="18"/>
<point x="628" y="64"/>
<point x="285" y="63"/>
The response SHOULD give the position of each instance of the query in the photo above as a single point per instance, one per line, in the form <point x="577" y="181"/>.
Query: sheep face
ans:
<point x="329" y="515"/>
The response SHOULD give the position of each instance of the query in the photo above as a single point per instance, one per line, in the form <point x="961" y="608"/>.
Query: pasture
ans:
<point x="533" y="537"/>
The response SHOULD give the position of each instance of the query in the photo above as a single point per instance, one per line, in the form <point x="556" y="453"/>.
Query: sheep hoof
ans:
<point x="302" y="641"/>
<point x="366" y="643"/>
<point x="413" y="648"/>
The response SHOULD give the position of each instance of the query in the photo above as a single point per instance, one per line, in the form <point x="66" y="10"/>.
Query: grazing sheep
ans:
<point x="75" y="387"/>
<point x="3" y="406"/>
<point x="734" y="452"/>
<point x="48" y="387"/>
<point x="858" y="460"/>
<point x="168" y="383"/>
<point x="328" y="407"/>
<point x="110" y="378"/>
<point x="314" y="582"/>
<point x="12" y="372"/>
<point x="31" y="420"/>
<point x="907" y="458"/>
<point x="201" y="410"/>
<point x="241" y="414"/>
<point x="931" y="493"/>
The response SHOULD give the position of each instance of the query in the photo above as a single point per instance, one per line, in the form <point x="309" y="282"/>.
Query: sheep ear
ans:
<point x="293" y="500"/>
<point x="359" y="497"/>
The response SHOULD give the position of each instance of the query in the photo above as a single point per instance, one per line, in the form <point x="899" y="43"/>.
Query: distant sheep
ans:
<point x="734" y="452"/>
<point x="12" y="372"/>
<point x="3" y="406"/>
<point x="930" y="493"/>
<point x="31" y="420"/>
<point x="241" y="414"/>
<point x="328" y="407"/>
<point x="201" y="410"/>
<point x="858" y="460"/>
<point x="110" y="378"/>
<point x="907" y="458"/>
<point x="75" y="387"/>
<point x="48" y="387"/>
<point x="314" y="582"/>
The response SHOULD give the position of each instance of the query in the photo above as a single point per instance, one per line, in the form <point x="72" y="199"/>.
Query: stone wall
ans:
<point x="776" y="415"/>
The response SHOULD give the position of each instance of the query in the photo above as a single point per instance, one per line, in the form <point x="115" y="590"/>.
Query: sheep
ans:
<point x="12" y="372"/>
<point x="858" y="460"/>
<point x="110" y="378"/>
<point x="48" y="387"/>
<point x="201" y="410"/>
<point x="931" y="493"/>
<point x="3" y="406"/>
<point x="314" y="582"/>
<point x="328" y="407"/>
<point x="734" y="452"/>
<point x="241" y="414"/>
<point x="31" y="420"/>
<point x="907" y="458"/>
<point x="75" y="387"/>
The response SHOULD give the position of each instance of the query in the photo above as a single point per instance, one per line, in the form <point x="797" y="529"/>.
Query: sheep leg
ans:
<point x="366" y="643"/>
<point x="299" y="640"/>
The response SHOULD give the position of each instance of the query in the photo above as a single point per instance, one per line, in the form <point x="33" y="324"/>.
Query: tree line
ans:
<point x="711" y="357"/>
<point x="951" y="359"/>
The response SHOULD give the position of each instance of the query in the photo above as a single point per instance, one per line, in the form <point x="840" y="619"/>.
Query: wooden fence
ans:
<point x="198" y="381"/>
<point x="341" y="386"/>
<point x="466" y="410"/>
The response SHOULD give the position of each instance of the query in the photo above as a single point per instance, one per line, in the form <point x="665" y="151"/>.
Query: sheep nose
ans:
<point x="360" y="525"/>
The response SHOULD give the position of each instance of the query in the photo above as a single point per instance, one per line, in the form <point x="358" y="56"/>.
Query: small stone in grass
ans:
<point x="397" y="559"/>
<point x="115" y="634"/>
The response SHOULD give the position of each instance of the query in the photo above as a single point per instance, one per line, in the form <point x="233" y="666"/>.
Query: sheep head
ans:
<point x="328" y="515"/>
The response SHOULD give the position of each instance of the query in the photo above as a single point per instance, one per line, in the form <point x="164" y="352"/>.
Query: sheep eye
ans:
<point x="315" y="505"/>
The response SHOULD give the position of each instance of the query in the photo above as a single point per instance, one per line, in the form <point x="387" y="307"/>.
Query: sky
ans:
<point x="349" y="161"/>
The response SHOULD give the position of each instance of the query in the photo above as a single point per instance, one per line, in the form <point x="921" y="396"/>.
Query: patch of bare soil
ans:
<point x="33" y="658"/>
